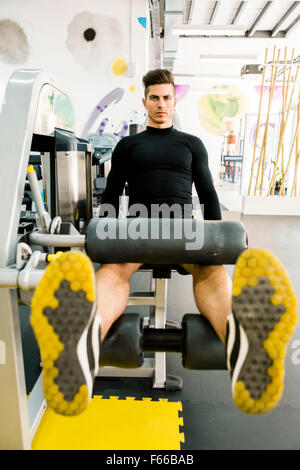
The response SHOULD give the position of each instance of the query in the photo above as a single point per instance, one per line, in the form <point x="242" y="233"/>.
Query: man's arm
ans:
<point x="204" y="183"/>
<point x="116" y="179"/>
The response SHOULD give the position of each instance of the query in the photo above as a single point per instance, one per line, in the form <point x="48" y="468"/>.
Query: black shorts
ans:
<point x="180" y="269"/>
<point x="173" y="267"/>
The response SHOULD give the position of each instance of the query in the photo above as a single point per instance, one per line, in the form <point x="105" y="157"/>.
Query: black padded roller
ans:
<point x="165" y="241"/>
<point x="202" y="348"/>
<point x="126" y="341"/>
<point x="122" y="346"/>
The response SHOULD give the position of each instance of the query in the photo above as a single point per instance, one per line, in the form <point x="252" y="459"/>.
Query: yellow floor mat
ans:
<point x="113" y="424"/>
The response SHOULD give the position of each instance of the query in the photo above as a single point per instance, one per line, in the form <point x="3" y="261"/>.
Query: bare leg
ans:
<point x="212" y="291"/>
<point x="112" y="291"/>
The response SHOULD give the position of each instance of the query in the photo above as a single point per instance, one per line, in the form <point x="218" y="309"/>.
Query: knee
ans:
<point x="117" y="272"/>
<point x="203" y="271"/>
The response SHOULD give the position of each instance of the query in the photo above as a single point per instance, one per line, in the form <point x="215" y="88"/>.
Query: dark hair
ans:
<point x="156" y="77"/>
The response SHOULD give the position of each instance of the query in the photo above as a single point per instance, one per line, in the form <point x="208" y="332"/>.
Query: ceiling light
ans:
<point x="207" y="30"/>
<point x="194" y="78"/>
<point x="227" y="58"/>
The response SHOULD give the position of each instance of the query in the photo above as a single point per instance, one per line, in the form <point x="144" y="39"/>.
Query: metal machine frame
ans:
<point x="20" y="267"/>
<point x="19" y="416"/>
<point x="155" y="367"/>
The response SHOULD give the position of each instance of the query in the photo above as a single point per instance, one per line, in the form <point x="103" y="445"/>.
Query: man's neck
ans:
<point x="164" y="125"/>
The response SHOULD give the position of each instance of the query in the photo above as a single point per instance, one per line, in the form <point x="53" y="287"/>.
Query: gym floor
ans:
<point x="209" y="419"/>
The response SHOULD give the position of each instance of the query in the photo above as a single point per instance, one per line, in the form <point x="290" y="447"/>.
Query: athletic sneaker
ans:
<point x="264" y="316"/>
<point x="67" y="329"/>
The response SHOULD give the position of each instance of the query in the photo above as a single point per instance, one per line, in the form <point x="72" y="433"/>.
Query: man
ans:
<point x="254" y="319"/>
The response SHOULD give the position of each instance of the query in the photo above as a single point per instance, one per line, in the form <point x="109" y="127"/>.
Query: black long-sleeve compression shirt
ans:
<point x="160" y="166"/>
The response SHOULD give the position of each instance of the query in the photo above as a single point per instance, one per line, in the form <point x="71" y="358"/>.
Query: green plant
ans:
<point x="278" y="183"/>
<point x="278" y="179"/>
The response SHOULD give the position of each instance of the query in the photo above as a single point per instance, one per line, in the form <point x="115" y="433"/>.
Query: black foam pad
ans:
<point x="202" y="348"/>
<point x="123" y="344"/>
<point x="165" y="241"/>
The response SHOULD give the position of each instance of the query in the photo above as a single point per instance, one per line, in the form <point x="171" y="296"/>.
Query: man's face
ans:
<point x="160" y="104"/>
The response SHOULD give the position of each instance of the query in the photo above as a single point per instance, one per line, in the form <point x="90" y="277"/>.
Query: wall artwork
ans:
<point x="121" y="130"/>
<point x="119" y="67"/>
<point x="14" y="47"/>
<point x="277" y="94"/>
<point x="143" y="21"/>
<point x="181" y="91"/>
<point x="113" y="97"/>
<point x="92" y="37"/>
<point x="213" y="108"/>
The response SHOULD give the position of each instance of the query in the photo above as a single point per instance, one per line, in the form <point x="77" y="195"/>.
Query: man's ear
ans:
<point x="144" y="102"/>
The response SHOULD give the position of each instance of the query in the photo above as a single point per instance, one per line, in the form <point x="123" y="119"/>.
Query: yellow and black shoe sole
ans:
<point x="62" y="311"/>
<point x="265" y="305"/>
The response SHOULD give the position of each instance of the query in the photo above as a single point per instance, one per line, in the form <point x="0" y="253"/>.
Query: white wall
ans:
<point x="189" y="119"/>
<point x="45" y="24"/>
